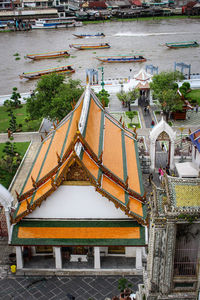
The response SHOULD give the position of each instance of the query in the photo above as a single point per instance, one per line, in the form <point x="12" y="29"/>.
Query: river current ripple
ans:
<point x="137" y="37"/>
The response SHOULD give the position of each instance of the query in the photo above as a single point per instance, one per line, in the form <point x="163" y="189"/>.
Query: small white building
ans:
<point x="195" y="139"/>
<point x="35" y="3"/>
<point x="191" y="169"/>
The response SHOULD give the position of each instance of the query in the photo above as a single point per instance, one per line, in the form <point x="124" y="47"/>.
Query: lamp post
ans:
<point x="102" y="77"/>
<point x="181" y="130"/>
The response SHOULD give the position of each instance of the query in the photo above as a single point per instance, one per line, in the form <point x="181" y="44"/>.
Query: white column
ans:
<point x="151" y="99"/>
<point x="152" y="154"/>
<point x="97" y="262"/>
<point x="19" y="257"/>
<point x="146" y="235"/>
<point x="172" y="156"/>
<point x="58" y="257"/>
<point x="139" y="258"/>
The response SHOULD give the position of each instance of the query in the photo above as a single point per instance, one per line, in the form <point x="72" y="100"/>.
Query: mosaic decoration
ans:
<point x="184" y="193"/>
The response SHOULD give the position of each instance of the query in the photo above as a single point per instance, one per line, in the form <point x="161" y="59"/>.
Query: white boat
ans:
<point x="56" y="23"/>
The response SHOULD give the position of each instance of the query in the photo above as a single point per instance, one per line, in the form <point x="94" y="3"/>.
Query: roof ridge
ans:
<point x="83" y="118"/>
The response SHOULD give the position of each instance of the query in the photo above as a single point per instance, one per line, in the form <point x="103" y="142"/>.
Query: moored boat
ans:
<point x="38" y="74"/>
<point x="89" y="35"/>
<point x="187" y="44"/>
<point x="90" y="47"/>
<point x="56" y="23"/>
<point x="54" y="54"/>
<point x="121" y="58"/>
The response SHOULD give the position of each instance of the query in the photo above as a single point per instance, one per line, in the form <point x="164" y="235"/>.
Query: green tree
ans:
<point x="103" y="96"/>
<point x="12" y="122"/>
<point x="130" y="115"/>
<point x="52" y="98"/>
<point x="15" y="98"/>
<point x="10" y="159"/>
<point x="165" y="89"/>
<point x="14" y="101"/>
<point x="123" y="97"/>
<point x="185" y="87"/>
<point x="128" y="97"/>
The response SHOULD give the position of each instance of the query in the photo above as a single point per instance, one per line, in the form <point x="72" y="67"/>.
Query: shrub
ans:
<point x="187" y="85"/>
<point x="103" y="96"/>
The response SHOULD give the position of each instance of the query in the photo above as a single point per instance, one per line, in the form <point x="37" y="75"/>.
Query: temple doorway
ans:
<point x="162" y="139"/>
<point x="144" y="97"/>
<point x="162" y="150"/>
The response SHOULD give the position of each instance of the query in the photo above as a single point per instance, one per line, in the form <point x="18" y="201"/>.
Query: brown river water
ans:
<point x="137" y="37"/>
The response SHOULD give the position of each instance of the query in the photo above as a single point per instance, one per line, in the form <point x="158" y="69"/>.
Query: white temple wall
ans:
<point x="77" y="202"/>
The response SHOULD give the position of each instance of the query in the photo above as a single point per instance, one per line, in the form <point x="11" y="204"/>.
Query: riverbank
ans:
<point x="152" y="18"/>
<point x="133" y="19"/>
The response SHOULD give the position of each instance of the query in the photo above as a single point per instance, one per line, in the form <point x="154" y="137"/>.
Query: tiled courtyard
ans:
<point x="81" y="287"/>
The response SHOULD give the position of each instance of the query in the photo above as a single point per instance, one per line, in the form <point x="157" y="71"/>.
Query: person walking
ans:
<point x="152" y="123"/>
<point x="167" y="169"/>
<point x="197" y="108"/>
<point x="161" y="173"/>
<point x="150" y="178"/>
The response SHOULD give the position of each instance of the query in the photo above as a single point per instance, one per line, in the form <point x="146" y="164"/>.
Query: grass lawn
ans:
<point x="194" y="96"/>
<point x="5" y="177"/>
<point x="20" y="114"/>
<point x="131" y="125"/>
<point x="21" y="148"/>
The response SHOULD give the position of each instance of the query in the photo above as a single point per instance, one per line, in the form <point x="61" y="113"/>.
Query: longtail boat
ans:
<point x="90" y="47"/>
<point x="80" y="36"/>
<point x="54" y="54"/>
<point x="38" y="74"/>
<point x="176" y="45"/>
<point x="121" y="58"/>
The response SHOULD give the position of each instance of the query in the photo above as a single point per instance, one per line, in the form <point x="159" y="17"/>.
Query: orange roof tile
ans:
<point x="112" y="150"/>
<point x="132" y="165"/>
<point x="135" y="206"/>
<point x="90" y="165"/>
<point x="93" y="126"/>
<point x="79" y="232"/>
<point x="113" y="189"/>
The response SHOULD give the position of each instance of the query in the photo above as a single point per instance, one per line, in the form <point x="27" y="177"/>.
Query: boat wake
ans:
<point x="148" y="34"/>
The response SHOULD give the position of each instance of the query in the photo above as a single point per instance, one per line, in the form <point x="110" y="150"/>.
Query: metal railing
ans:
<point x="185" y="262"/>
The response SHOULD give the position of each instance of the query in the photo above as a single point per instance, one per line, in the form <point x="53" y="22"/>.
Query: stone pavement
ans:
<point x="58" y="288"/>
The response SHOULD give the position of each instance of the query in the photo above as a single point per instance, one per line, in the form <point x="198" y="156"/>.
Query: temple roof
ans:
<point x="195" y="138"/>
<point x="142" y="75"/>
<point x="101" y="147"/>
<point x="142" y="85"/>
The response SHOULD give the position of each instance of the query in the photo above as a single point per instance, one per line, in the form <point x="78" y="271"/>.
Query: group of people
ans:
<point x="160" y="173"/>
<point x="146" y="110"/>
